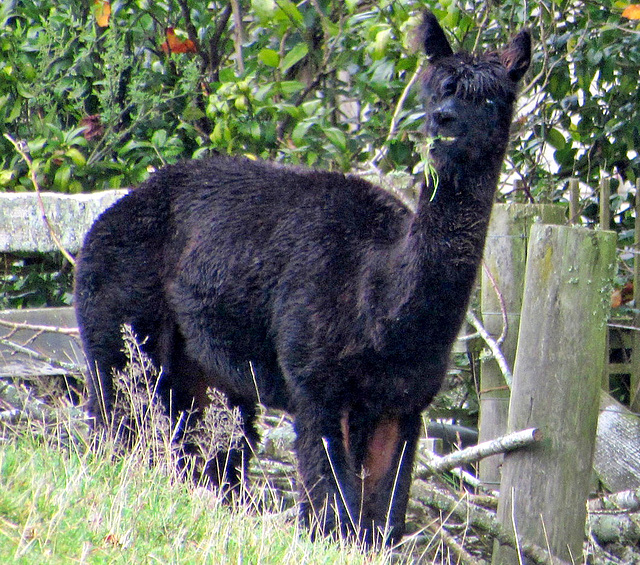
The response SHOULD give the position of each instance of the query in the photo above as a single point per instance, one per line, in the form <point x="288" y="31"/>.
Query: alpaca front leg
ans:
<point x="329" y="493"/>
<point x="387" y="463"/>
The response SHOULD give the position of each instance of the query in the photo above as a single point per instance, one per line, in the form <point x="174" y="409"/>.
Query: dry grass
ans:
<point x="66" y="497"/>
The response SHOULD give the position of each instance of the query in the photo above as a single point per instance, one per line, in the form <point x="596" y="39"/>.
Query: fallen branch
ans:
<point x="70" y="367"/>
<point x="484" y="520"/>
<point x="433" y="464"/>
<point x="427" y="459"/>
<point x="462" y="555"/>
<point x="616" y="518"/>
<point x="39" y="328"/>
<point x="626" y="501"/>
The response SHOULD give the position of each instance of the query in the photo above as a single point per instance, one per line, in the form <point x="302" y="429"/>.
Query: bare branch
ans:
<point x="503" y="306"/>
<point x="238" y="34"/>
<point x="509" y="442"/>
<point x="394" y="119"/>
<point x="39" y="328"/>
<point x="493" y="346"/>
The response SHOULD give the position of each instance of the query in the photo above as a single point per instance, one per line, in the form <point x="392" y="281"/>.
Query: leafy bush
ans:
<point x="315" y="83"/>
<point x="100" y="106"/>
<point x="31" y="281"/>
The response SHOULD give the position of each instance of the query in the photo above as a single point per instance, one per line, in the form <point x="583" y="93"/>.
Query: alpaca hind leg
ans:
<point x="217" y="432"/>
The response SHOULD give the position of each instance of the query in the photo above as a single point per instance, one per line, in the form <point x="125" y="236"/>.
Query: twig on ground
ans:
<point x="462" y="555"/>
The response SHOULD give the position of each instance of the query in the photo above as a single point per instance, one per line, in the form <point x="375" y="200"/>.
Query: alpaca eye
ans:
<point x="448" y="89"/>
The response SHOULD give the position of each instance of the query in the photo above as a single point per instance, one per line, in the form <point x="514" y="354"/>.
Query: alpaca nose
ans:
<point x="445" y="114"/>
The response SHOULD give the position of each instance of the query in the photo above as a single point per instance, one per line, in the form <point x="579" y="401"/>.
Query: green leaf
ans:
<point x="62" y="176"/>
<point x="288" y="87"/>
<point x="159" y="138"/>
<point x="337" y="138"/>
<point x="269" y="57"/>
<point x="556" y="139"/>
<point x="6" y="176"/>
<point x="192" y="113"/>
<point x="264" y="8"/>
<point x="263" y="92"/>
<point x="76" y="156"/>
<point x="228" y="74"/>
<point x="290" y="12"/>
<point x="36" y="145"/>
<point x="298" y="135"/>
<point x="298" y="52"/>
<point x="132" y="145"/>
<point x="381" y="42"/>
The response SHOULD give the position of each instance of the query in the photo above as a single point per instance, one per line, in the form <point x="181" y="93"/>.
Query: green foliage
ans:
<point x="98" y="107"/>
<point x="314" y="83"/>
<point x="318" y="83"/>
<point x="35" y="281"/>
<point x="583" y="103"/>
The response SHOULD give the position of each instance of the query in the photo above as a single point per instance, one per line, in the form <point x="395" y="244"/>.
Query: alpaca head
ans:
<point x="469" y="100"/>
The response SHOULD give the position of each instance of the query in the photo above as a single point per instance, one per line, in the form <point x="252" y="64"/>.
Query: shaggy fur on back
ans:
<point x="309" y="291"/>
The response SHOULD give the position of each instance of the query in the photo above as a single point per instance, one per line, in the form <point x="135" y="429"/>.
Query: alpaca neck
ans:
<point x="452" y="216"/>
<point x="442" y="252"/>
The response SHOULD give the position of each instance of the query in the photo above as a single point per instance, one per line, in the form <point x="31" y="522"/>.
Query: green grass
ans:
<point x="63" y="502"/>
<point x="66" y="506"/>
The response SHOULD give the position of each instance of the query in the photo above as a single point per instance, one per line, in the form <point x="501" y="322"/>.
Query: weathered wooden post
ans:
<point x="605" y="198"/>
<point x="556" y="388"/>
<point x="574" y="201"/>
<point x="634" y="403"/>
<point x="501" y="296"/>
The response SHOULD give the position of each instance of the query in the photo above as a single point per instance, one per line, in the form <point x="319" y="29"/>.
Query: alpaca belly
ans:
<point x="401" y="387"/>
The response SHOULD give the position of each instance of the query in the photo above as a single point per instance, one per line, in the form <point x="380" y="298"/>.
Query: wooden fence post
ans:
<point x="502" y="282"/>
<point x="556" y="388"/>
<point x="605" y="197"/>
<point x="574" y="201"/>
<point x="634" y="400"/>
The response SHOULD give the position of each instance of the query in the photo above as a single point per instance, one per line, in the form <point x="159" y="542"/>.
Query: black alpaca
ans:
<point x="310" y="291"/>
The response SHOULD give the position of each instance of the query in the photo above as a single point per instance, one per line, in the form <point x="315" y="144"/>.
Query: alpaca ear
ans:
<point x="433" y="38"/>
<point x="517" y="55"/>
